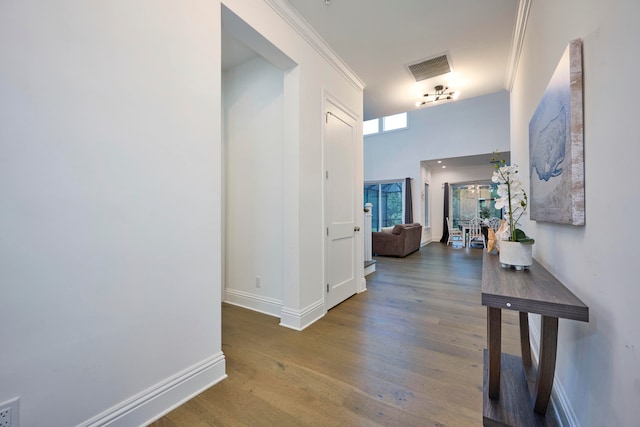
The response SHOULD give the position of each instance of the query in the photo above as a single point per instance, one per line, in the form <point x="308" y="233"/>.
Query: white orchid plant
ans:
<point x="512" y="198"/>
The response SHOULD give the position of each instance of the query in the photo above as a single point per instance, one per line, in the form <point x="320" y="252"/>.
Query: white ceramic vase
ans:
<point x="515" y="254"/>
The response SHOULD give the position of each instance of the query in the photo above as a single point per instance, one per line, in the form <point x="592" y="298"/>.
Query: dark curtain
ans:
<point x="408" y="206"/>
<point x="445" y="227"/>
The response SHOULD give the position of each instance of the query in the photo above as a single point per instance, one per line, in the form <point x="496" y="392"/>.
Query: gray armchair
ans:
<point x="400" y="241"/>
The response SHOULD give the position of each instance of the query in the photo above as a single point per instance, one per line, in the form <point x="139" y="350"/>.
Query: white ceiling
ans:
<point x="377" y="39"/>
<point x="467" y="161"/>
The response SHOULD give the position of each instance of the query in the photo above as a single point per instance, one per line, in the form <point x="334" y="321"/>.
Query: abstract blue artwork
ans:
<point x="556" y="148"/>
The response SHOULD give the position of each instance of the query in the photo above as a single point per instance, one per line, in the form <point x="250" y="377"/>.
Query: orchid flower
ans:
<point x="511" y="196"/>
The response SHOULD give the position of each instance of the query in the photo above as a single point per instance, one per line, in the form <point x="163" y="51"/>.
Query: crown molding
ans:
<point x="516" y="44"/>
<point x="311" y="36"/>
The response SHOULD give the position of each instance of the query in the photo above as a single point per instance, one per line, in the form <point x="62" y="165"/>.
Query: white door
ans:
<point x="340" y="206"/>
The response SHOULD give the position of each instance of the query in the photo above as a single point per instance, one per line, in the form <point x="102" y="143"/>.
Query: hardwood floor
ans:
<point x="407" y="352"/>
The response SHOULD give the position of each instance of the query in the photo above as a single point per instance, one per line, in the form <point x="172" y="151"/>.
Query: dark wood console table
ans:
<point x="528" y="291"/>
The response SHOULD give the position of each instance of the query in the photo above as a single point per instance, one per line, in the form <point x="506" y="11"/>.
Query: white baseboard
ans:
<point x="153" y="403"/>
<point x="258" y="303"/>
<point x="300" y="319"/>
<point x="289" y="318"/>
<point x="425" y="243"/>
<point x="363" y="283"/>
<point x="369" y="269"/>
<point x="561" y="405"/>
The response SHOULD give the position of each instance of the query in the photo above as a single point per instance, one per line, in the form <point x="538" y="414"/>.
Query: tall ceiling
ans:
<point x="378" y="39"/>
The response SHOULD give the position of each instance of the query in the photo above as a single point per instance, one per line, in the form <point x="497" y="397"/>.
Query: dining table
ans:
<point x="464" y="226"/>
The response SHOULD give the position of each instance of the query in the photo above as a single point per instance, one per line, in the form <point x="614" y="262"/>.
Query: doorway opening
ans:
<point x="470" y="200"/>
<point x="255" y="75"/>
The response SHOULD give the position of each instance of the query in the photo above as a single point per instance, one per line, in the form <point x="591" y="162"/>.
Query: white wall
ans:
<point x="254" y="123"/>
<point x="427" y="224"/>
<point x="598" y="368"/>
<point x="464" y="128"/>
<point x="109" y="207"/>
<point x="110" y="200"/>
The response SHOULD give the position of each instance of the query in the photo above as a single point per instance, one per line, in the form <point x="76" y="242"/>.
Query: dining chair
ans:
<point x="454" y="233"/>
<point x="475" y="232"/>
<point x="495" y="223"/>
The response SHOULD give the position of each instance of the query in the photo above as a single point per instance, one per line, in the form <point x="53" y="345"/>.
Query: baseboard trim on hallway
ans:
<point x="300" y="319"/>
<point x="270" y="306"/>
<point x="562" y="409"/>
<point x="163" y="397"/>
<point x="369" y="267"/>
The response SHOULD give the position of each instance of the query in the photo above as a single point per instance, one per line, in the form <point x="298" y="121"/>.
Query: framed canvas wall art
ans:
<point x="556" y="147"/>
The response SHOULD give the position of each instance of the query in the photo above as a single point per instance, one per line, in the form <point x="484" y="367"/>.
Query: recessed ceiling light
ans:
<point x="439" y="161"/>
<point x="444" y="167"/>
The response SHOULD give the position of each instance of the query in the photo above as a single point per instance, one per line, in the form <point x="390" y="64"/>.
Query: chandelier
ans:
<point x="441" y="93"/>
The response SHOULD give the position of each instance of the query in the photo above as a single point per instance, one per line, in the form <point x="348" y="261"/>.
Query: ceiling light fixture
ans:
<point x="441" y="93"/>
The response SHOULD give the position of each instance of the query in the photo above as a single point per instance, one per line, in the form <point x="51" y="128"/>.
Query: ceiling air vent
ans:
<point x="430" y="68"/>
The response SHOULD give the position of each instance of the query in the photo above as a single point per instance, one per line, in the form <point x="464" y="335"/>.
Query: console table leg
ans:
<point x="494" y="331"/>
<point x="547" y="365"/>
<point x="525" y="345"/>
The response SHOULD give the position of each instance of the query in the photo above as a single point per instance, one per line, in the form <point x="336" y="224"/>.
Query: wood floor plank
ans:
<point x="407" y="352"/>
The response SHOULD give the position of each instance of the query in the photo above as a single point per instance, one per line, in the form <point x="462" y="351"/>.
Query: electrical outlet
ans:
<point x="258" y="284"/>
<point x="9" y="413"/>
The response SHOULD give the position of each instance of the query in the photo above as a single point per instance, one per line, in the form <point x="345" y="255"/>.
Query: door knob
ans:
<point x="356" y="228"/>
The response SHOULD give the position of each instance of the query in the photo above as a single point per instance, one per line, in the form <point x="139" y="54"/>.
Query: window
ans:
<point x="397" y="121"/>
<point x="370" y="127"/>
<point x="426" y="204"/>
<point x="387" y="201"/>
<point x="389" y="123"/>
<point x="474" y="200"/>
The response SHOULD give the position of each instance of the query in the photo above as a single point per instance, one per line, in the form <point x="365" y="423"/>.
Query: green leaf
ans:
<point x="522" y="237"/>
<point x="519" y="234"/>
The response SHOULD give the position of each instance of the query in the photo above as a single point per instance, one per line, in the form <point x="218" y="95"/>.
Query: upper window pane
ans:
<point x="397" y="121"/>
<point x="370" y="126"/>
